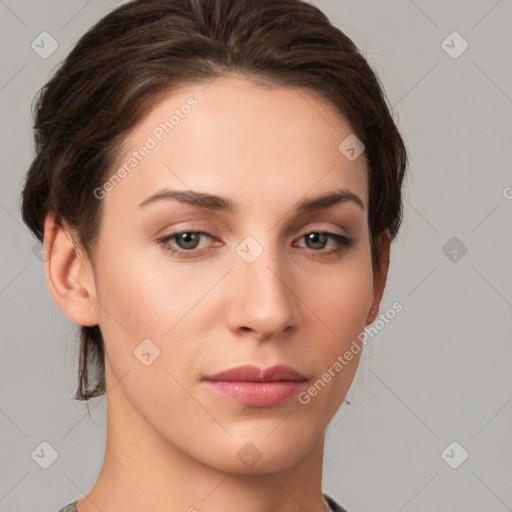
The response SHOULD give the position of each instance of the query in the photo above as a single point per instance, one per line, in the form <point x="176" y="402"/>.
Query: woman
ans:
<point x="216" y="185"/>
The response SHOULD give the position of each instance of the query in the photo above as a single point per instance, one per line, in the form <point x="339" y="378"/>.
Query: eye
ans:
<point x="189" y="240"/>
<point x="318" y="240"/>
<point x="183" y="242"/>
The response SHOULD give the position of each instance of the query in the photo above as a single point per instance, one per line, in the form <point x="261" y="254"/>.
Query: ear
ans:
<point x="379" y="277"/>
<point x="69" y="273"/>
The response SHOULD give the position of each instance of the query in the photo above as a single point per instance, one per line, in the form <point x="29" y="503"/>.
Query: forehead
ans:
<point x="241" y="137"/>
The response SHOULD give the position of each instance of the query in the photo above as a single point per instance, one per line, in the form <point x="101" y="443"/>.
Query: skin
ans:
<point x="171" y="439"/>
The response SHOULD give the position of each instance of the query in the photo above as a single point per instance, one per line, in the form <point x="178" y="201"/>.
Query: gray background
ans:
<point x="438" y="373"/>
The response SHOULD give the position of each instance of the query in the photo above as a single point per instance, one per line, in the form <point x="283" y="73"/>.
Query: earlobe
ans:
<point x="380" y="277"/>
<point x="68" y="274"/>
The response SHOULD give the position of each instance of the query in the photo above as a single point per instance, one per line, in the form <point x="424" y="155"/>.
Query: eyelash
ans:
<point x="343" y="242"/>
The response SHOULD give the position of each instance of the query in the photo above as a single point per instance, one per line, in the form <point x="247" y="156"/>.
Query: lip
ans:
<point x="257" y="387"/>
<point x="249" y="373"/>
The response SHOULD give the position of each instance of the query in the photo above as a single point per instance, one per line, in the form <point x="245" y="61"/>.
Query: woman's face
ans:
<point x="262" y="287"/>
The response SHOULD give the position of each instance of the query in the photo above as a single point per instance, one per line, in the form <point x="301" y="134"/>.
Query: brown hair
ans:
<point x="144" y="49"/>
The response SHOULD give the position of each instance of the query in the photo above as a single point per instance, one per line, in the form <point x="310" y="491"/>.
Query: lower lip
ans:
<point x="258" y="394"/>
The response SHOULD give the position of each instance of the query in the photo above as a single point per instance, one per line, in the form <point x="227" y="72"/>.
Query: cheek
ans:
<point x="147" y="297"/>
<point x="341" y="302"/>
<point x="144" y="299"/>
<point x="342" y="299"/>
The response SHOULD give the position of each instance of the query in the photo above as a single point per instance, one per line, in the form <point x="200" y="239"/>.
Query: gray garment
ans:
<point x="335" y="506"/>
<point x="69" y="508"/>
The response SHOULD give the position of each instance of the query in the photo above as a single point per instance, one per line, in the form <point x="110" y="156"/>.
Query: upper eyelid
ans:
<point x="208" y="229"/>
<point x="205" y="232"/>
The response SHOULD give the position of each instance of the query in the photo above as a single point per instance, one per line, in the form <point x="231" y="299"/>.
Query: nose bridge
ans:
<point x="263" y="301"/>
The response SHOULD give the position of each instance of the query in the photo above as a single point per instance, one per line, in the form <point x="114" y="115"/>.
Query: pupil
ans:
<point x="188" y="240"/>
<point x="317" y="238"/>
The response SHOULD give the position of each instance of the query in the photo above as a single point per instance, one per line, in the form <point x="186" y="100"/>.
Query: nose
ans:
<point x="263" y="302"/>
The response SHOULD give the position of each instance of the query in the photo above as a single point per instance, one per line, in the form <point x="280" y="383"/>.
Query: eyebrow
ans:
<point x="217" y="203"/>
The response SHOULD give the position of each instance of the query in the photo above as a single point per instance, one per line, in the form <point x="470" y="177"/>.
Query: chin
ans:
<point x="261" y="453"/>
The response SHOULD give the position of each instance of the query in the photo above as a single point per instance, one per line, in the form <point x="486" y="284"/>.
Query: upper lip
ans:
<point x="248" y="373"/>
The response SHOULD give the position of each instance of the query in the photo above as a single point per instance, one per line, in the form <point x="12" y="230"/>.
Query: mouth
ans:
<point x="256" y="387"/>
